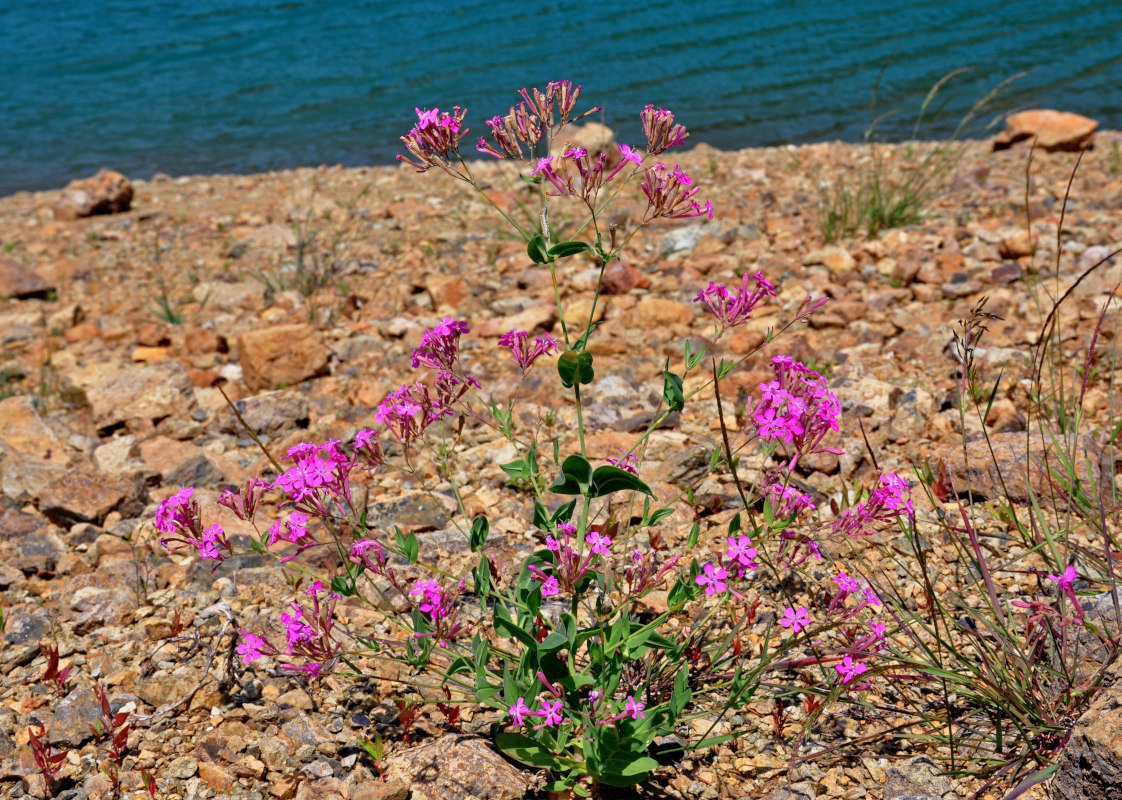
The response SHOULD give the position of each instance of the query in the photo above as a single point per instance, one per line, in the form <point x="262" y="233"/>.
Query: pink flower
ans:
<point x="627" y="461"/>
<point x="846" y="583"/>
<point x="661" y="130"/>
<point x="631" y="155"/>
<point x="250" y="648"/>
<point x="518" y="711"/>
<point x="741" y="551"/>
<point x="552" y="544"/>
<point x="848" y="669"/>
<point x="431" y="594"/>
<point x="795" y="619"/>
<point x="173" y="511"/>
<point x="550" y="587"/>
<point x="599" y="543"/>
<point x="733" y="307"/>
<point x="567" y="528"/>
<point x="713" y="579"/>
<point x="1065" y="579"/>
<point x="440" y="345"/>
<point x="522" y="354"/>
<point x="551" y="712"/>
<point x="878" y="628"/>
<point x="871" y="598"/>
<point x="635" y="708"/>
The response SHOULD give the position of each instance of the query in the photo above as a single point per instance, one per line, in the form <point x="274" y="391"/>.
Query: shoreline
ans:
<point x="1102" y="137"/>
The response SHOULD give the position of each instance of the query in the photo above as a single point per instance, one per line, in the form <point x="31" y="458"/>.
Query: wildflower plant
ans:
<point x="583" y="673"/>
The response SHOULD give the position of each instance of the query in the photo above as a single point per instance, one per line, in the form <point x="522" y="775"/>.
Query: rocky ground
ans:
<point x="301" y="294"/>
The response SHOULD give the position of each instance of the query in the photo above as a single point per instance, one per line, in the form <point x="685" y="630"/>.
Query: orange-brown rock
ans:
<point x="280" y="356"/>
<point x="107" y="192"/>
<point x="1053" y="130"/>
<point x="20" y="283"/>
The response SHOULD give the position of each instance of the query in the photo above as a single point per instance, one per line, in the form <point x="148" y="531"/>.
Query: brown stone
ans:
<point x="457" y="768"/>
<point x="1010" y="468"/>
<point x="20" y="283"/>
<point x="447" y="291"/>
<point x="214" y="776"/>
<point x="84" y="496"/>
<point x="107" y="192"/>
<point x="594" y="137"/>
<point x="1090" y="765"/>
<point x="1053" y="130"/>
<point x="834" y="258"/>
<point x="655" y="312"/>
<point x="142" y="392"/>
<point x="281" y="356"/>
<point x="1016" y="244"/>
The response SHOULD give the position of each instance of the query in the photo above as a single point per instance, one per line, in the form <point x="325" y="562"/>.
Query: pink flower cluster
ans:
<point x="569" y="565"/>
<point x="307" y="634"/>
<point x="670" y="194"/>
<point x="435" y="140"/>
<point x="661" y="130"/>
<point x="734" y="307"/>
<point x="409" y="410"/>
<point x="539" y="116"/>
<point x="549" y="711"/>
<point x="320" y="474"/>
<point x="628" y="462"/>
<point x="178" y="518"/>
<point x="244" y="503"/>
<point x="524" y="353"/>
<point x="440" y="605"/>
<point x="797" y="408"/>
<point x="887" y="503"/>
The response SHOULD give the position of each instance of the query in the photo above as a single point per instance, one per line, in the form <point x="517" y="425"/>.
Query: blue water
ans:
<point x="203" y="86"/>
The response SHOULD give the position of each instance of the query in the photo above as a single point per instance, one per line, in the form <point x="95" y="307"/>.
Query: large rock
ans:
<point x="456" y="768"/>
<point x="74" y="718"/>
<point x="916" y="777"/>
<point x="142" y="392"/>
<point x="20" y="283"/>
<point x="1090" y="766"/>
<point x="273" y="358"/>
<point x="594" y="137"/>
<point x="85" y="496"/>
<point x="107" y="192"/>
<point x="1053" y="130"/>
<point x="31" y="456"/>
<point x="1010" y="468"/>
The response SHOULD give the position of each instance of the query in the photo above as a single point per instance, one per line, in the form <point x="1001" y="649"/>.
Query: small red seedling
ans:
<point x="54" y="676"/>
<point x="48" y="763"/>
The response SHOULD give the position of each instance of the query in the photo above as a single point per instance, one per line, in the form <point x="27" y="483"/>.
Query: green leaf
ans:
<point x="680" y="696"/>
<point x="734" y="525"/>
<point x="725" y="368"/>
<point x="574" y="367"/>
<point x="695" y="533"/>
<point x="576" y="473"/>
<point x="658" y="516"/>
<point x="624" y="770"/>
<point x="516" y="469"/>
<point x="580" y="343"/>
<point x="608" y="479"/>
<point x="672" y="391"/>
<point x="693" y="359"/>
<point x="527" y="751"/>
<point x="482" y="577"/>
<point x="555" y="641"/>
<point x="480" y="529"/>
<point x="566" y="249"/>
<point x="506" y="627"/>
<point x="407" y="545"/>
<point x="538" y="250"/>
